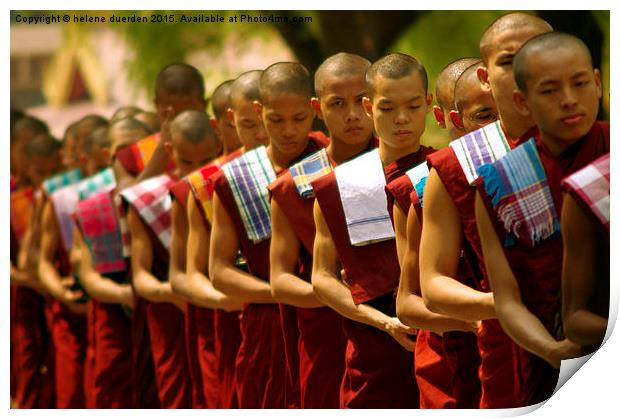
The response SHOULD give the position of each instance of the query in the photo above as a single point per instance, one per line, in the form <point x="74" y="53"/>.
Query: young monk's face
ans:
<point x="342" y="110"/>
<point x="248" y="124"/>
<point x="42" y="167"/>
<point x="188" y="157"/>
<point x="69" y="152"/>
<point x="476" y="106"/>
<point x="227" y="131"/>
<point x="563" y="92"/>
<point x="288" y="120"/>
<point x="98" y="159"/>
<point x="169" y="105"/>
<point x="399" y="110"/>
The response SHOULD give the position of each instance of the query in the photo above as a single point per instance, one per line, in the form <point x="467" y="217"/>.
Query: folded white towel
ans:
<point x="361" y="183"/>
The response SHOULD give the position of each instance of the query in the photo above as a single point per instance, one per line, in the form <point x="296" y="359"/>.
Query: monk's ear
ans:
<point x="429" y="101"/>
<point x="455" y="117"/>
<point x="518" y="97"/>
<point x="439" y="116"/>
<point x="258" y="107"/>
<point x="597" y="81"/>
<point x="230" y="115"/>
<point x="316" y="106"/>
<point x="483" y="77"/>
<point x="367" y="104"/>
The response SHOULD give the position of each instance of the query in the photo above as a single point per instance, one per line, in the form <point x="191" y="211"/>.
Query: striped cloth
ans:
<point x="361" y="183"/>
<point x="52" y="184"/>
<point x="65" y="202"/>
<point x="202" y="187"/>
<point x="591" y="185"/>
<point x="143" y="150"/>
<point x="22" y="201"/>
<point x="103" y="180"/>
<point x="484" y="145"/>
<point x="519" y="191"/>
<point x="101" y="231"/>
<point x="248" y="177"/>
<point x="417" y="175"/>
<point x="307" y="170"/>
<point x="152" y="201"/>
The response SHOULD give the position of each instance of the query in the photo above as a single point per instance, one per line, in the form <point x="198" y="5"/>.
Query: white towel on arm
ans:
<point x="361" y="183"/>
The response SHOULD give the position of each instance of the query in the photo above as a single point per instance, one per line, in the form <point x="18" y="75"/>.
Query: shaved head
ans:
<point x="179" y="79"/>
<point x="28" y="125"/>
<point x="98" y="138"/>
<point x="510" y="22"/>
<point x="89" y="123"/>
<point x="124" y="112"/>
<point x="468" y="80"/>
<point x="545" y="44"/>
<point x="149" y="119"/>
<point x="446" y="81"/>
<point x="192" y="126"/>
<point x="126" y="131"/>
<point x="43" y="145"/>
<point x="246" y="87"/>
<point x="220" y="99"/>
<point x="285" y="77"/>
<point x="395" y="66"/>
<point x="339" y="65"/>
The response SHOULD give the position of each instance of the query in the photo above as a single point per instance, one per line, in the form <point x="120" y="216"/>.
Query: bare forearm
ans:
<point x="106" y="290"/>
<point x="585" y="328"/>
<point x="445" y="295"/>
<point x="199" y="291"/>
<point x="412" y="311"/>
<point x="148" y="287"/>
<point x="50" y="278"/>
<point x="241" y="285"/>
<point x="287" y="288"/>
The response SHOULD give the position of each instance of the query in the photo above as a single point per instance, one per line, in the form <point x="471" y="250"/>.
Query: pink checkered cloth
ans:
<point x="590" y="185"/>
<point x="152" y="201"/>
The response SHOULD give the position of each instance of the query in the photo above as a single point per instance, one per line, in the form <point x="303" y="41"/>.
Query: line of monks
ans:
<point x="242" y="260"/>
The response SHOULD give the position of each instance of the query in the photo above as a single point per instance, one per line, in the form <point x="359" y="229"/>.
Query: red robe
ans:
<point x="538" y="269"/>
<point x="496" y="348"/>
<point x="321" y="344"/>
<point x="261" y="375"/>
<point x="440" y="361"/>
<point x="378" y="370"/>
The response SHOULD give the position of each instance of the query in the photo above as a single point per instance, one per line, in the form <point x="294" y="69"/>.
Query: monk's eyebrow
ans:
<point x="579" y="74"/>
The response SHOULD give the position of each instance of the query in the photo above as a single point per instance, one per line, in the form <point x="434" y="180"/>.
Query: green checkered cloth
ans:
<point x="52" y="184"/>
<point x="102" y="181"/>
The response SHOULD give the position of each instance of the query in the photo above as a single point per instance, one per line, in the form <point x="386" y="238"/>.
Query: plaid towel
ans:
<point x="65" y="202"/>
<point x="151" y="198"/>
<point x="591" y="185"/>
<point x="52" y="184"/>
<point x="307" y="170"/>
<point x="122" y="225"/>
<point x="485" y="145"/>
<point x="202" y="187"/>
<point x="418" y="175"/>
<point x="248" y="177"/>
<point x="103" y="180"/>
<point x="519" y="191"/>
<point x="361" y="183"/>
<point x="99" y="225"/>
<point x="21" y="208"/>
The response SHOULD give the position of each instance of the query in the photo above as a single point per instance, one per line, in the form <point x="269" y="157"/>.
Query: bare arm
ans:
<point x="286" y="287"/>
<point x="410" y="306"/>
<point x="57" y="286"/>
<point x="178" y="246"/>
<point x="145" y="284"/>
<point x="440" y="248"/>
<point x="96" y="285"/>
<point x="329" y="289"/>
<point x="225" y="275"/>
<point x="25" y="273"/>
<point x="517" y="321"/>
<point x="580" y="276"/>
<point x="197" y="287"/>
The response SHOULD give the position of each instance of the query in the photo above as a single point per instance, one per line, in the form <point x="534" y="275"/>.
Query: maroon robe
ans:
<point x="260" y="374"/>
<point x="538" y="269"/>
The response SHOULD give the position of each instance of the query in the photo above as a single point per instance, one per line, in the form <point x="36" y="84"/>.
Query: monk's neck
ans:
<point x="514" y="126"/>
<point x="339" y="152"/>
<point x="280" y="161"/>
<point x="389" y="155"/>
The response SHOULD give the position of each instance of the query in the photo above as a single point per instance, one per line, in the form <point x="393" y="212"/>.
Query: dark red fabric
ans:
<point x="290" y="332"/>
<point x="180" y="191"/>
<point x="89" y="359"/>
<point x="538" y="269"/>
<point x="33" y="352"/>
<point x="496" y="348"/>
<point x="227" y="342"/>
<point x="432" y="372"/>
<point x="143" y="371"/>
<point x="127" y="159"/>
<point x="206" y="357"/>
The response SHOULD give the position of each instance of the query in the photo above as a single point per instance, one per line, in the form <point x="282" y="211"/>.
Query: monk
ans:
<point x="150" y="119"/>
<point x="475" y="106"/>
<point x="378" y="362"/>
<point x="125" y="112"/>
<point x="559" y="88"/>
<point x="149" y="222"/>
<point x="340" y="86"/>
<point x="197" y="287"/>
<point x="446" y="355"/>
<point x="448" y="211"/>
<point x="261" y="367"/>
<point x="33" y="351"/>
<point x="444" y="94"/>
<point x="223" y="127"/>
<point x="204" y="385"/>
<point x="585" y="270"/>
<point x="68" y="322"/>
